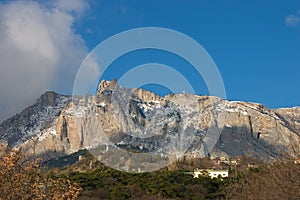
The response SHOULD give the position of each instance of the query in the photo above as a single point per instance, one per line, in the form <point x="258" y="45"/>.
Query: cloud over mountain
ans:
<point x="39" y="50"/>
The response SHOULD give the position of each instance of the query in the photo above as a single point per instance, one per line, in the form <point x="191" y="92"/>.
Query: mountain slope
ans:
<point x="115" y="117"/>
<point x="33" y="119"/>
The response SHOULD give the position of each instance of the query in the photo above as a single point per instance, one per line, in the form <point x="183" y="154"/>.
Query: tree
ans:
<point x="22" y="179"/>
<point x="279" y="180"/>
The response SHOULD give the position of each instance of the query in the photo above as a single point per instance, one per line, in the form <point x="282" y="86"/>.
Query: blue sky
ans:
<point x="256" y="50"/>
<point x="255" y="45"/>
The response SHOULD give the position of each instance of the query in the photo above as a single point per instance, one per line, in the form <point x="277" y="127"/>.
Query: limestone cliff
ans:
<point x="116" y="116"/>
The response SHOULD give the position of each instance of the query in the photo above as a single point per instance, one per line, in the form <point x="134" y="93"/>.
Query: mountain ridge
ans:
<point x="53" y="124"/>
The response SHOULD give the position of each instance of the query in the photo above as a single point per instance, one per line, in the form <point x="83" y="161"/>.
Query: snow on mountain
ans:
<point x="33" y="119"/>
<point x="118" y="118"/>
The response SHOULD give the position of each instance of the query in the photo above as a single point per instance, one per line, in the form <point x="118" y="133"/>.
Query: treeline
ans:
<point x="277" y="180"/>
<point x="25" y="179"/>
<point x="162" y="184"/>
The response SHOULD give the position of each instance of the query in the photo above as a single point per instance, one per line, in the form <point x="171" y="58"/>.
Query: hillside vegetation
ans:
<point x="23" y="179"/>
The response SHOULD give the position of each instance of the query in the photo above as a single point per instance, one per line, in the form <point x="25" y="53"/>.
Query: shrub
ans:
<point x="22" y="179"/>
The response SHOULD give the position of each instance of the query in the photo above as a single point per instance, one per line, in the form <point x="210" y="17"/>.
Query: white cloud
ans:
<point x="39" y="51"/>
<point x="292" y="20"/>
<point x="77" y="7"/>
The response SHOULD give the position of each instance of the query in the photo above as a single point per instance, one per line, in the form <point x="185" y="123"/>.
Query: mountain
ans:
<point x="33" y="119"/>
<point x="139" y="121"/>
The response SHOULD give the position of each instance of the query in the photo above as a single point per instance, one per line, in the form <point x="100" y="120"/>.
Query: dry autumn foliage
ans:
<point x="279" y="180"/>
<point x="21" y="179"/>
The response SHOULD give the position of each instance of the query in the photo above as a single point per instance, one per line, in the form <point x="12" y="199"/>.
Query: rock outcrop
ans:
<point x="34" y="119"/>
<point x="141" y="121"/>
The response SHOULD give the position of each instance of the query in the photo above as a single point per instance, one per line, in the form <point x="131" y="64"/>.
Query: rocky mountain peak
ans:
<point x="49" y="98"/>
<point x="105" y="84"/>
<point x="34" y="118"/>
<point x="53" y="124"/>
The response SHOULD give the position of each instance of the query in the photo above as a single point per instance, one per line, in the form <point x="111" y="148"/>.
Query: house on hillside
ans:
<point x="213" y="173"/>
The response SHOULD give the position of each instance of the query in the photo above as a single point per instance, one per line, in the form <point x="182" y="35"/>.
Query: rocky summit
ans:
<point x="139" y="121"/>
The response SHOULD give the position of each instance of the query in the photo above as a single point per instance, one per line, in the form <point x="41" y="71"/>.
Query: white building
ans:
<point x="213" y="173"/>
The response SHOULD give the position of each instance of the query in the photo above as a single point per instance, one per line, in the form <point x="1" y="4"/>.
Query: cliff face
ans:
<point x="292" y="116"/>
<point x="117" y="116"/>
<point x="257" y="131"/>
<point x="33" y="119"/>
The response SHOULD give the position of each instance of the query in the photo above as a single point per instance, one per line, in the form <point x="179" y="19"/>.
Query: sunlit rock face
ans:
<point x="141" y="121"/>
